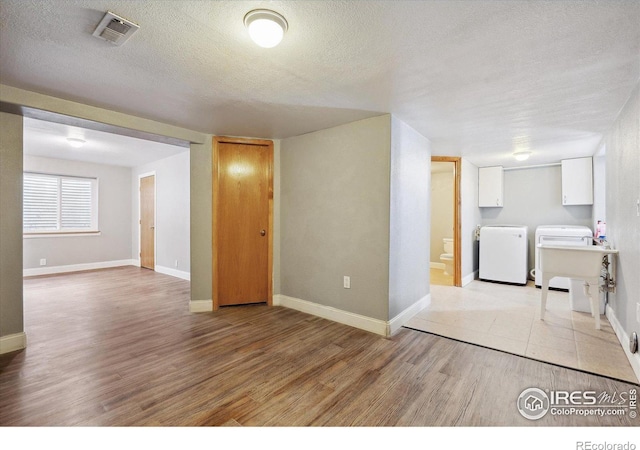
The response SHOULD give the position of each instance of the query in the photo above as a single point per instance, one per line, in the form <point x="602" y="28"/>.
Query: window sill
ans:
<point x="48" y="234"/>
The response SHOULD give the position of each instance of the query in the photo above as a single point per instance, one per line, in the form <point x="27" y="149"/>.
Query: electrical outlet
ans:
<point x="43" y="262"/>
<point x="347" y="282"/>
<point x="176" y="264"/>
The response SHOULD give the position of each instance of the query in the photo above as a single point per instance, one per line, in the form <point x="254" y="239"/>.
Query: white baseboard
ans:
<point x="398" y="321"/>
<point x="198" y="306"/>
<point x="469" y="278"/>
<point x="377" y="326"/>
<point x="174" y="272"/>
<point x="77" y="267"/>
<point x="13" y="342"/>
<point x="436" y="265"/>
<point x="623" y="337"/>
<point x="337" y="315"/>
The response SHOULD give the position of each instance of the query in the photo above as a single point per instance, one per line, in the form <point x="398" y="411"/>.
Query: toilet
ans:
<point x="447" y="257"/>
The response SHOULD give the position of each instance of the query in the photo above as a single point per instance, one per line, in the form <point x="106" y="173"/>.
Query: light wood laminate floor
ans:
<point x="119" y="347"/>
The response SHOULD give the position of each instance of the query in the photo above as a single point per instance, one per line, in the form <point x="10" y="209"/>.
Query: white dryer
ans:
<point x="562" y="235"/>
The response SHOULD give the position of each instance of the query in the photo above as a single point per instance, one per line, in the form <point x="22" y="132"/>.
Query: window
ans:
<point x="59" y="204"/>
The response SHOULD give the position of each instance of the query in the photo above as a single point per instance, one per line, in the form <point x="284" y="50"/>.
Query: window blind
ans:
<point x="58" y="203"/>
<point x="75" y="203"/>
<point x="41" y="200"/>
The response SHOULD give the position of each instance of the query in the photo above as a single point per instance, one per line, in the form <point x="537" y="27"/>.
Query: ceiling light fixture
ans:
<point x="266" y="27"/>
<point x="522" y="155"/>
<point x="75" y="142"/>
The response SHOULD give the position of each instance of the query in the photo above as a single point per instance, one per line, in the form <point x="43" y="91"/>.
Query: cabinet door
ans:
<point x="577" y="181"/>
<point x="490" y="186"/>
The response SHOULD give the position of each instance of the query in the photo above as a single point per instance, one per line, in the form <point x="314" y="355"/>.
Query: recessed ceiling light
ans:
<point x="522" y="155"/>
<point x="75" y="142"/>
<point x="266" y="27"/>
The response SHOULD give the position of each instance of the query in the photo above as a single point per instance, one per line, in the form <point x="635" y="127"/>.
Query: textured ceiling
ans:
<point x="478" y="78"/>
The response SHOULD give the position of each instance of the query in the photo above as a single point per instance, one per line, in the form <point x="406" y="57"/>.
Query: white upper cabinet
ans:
<point x="490" y="186"/>
<point x="577" y="181"/>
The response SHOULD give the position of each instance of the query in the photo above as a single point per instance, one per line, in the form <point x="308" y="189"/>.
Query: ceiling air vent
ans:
<point x="115" y="29"/>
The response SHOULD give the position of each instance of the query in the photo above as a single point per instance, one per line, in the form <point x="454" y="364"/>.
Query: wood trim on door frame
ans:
<point x="457" y="217"/>
<point x="234" y="140"/>
<point x="155" y="216"/>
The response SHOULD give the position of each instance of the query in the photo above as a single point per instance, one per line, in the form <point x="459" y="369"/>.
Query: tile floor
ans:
<point x="440" y="278"/>
<point x="506" y="317"/>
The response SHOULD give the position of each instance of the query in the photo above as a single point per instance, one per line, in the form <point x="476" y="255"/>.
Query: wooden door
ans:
<point x="243" y="221"/>
<point x="147" y="222"/>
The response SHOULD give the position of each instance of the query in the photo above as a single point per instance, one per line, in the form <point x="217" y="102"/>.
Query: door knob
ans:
<point x="263" y="232"/>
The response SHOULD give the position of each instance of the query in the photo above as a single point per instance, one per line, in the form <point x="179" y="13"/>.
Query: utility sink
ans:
<point x="573" y="262"/>
<point x="580" y="262"/>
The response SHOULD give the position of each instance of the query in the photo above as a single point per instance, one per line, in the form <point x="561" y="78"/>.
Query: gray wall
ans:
<point x="410" y="214"/>
<point x="533" y="197"/>
<point x="276" y="217"/>
<point x="172" y="211"/>
<point x="11" y="318"/>
<point x="114" y="217"/>
<point x="201" y="161"/>
<point x="442" y="201"/>
<point x="623" y="222"/>
<point x="335" y="216"/>
<point x="471" y="217"/>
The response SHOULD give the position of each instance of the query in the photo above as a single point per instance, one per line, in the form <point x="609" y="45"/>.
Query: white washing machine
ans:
<point x="503" y="253"/>
<point x="562" y="235"/>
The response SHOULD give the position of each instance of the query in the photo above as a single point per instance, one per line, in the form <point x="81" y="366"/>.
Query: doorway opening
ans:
<point x="445" y="257"/>
<point x="140" y="215"/>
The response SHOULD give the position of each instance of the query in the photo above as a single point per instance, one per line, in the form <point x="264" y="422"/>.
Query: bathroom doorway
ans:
<point x="445" y="257"/>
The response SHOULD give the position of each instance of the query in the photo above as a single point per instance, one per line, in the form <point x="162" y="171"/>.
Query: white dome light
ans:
<point x="522" y="155"/>
<point x="75" y="142"/>
<point x="266" y="27"/>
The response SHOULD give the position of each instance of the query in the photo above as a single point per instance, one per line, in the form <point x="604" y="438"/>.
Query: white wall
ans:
<point x="533" y="197"/>
<point x="409" y="218"/>
<point x="114" y="218"/>
<point x="599" y="189"/>
<point x="623" y="219"/>
<point x="172" y="213"/>
<point x="471" y="217"/>
<point x="442" y="202"/>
